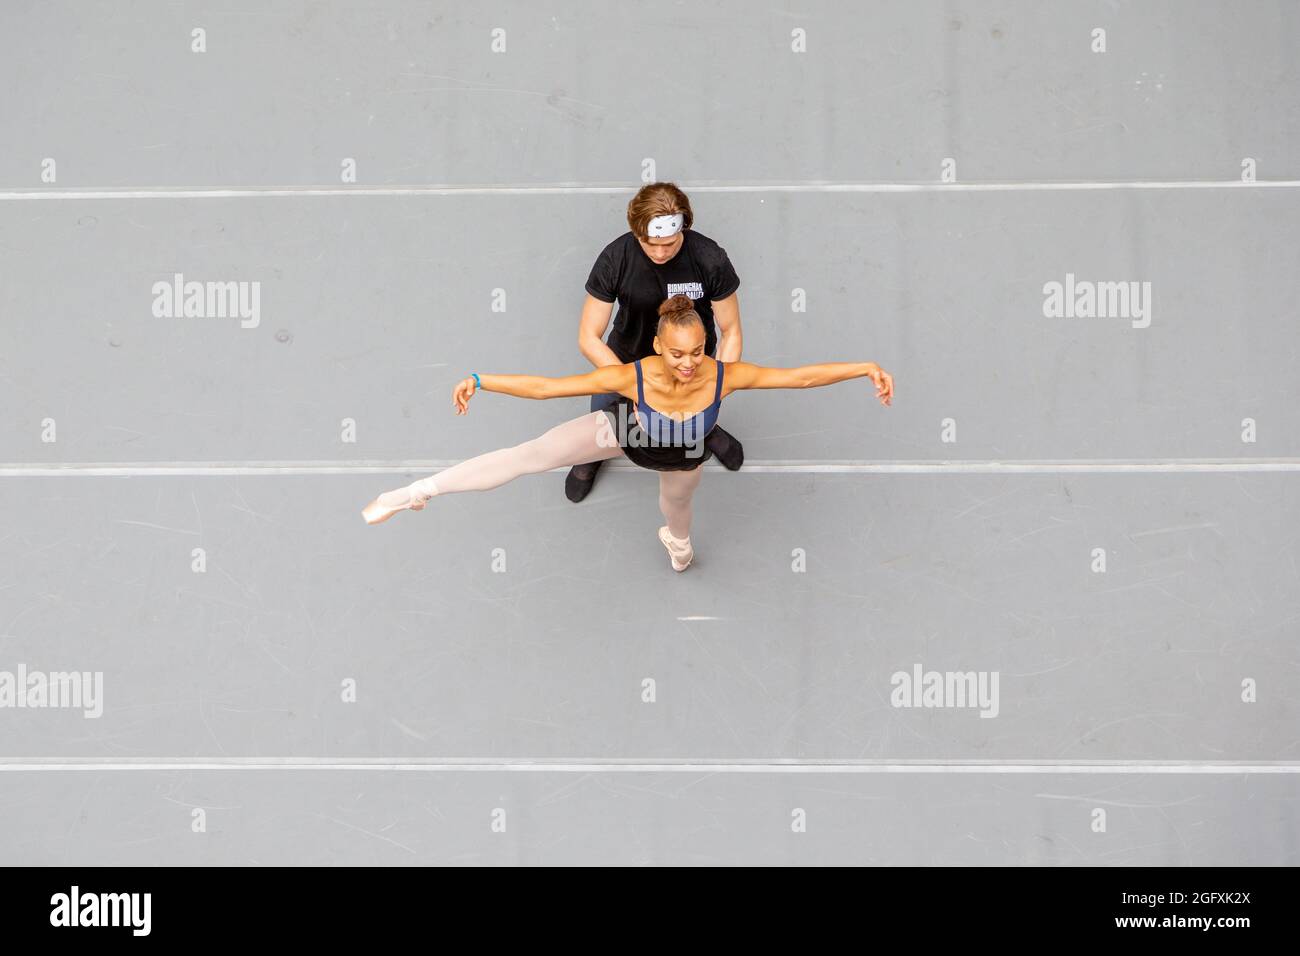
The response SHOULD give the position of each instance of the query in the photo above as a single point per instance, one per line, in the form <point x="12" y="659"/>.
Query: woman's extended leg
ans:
<point x="587" y="438"/>
<point x="570" y="443"/>
<point x="676" y="489"/>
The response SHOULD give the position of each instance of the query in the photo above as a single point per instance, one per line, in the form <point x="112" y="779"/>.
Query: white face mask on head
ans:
<point x="661" y="226"/>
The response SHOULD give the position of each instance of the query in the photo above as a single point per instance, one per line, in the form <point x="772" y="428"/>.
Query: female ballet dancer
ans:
<point x="650" y="425"/>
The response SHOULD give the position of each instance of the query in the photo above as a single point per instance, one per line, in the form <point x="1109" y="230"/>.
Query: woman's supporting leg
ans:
<point x="676" y="489"/>
<point x="588" y="438"/>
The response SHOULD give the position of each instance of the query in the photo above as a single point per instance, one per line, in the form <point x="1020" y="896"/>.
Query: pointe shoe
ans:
<point x="391" y="502"/>
<point x="679" y="549"/>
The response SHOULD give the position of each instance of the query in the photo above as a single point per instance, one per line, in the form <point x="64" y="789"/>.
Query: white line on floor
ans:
<point x="523" y="765"/>
<point x="200" y="469"/>
<point x="164" y="192"/>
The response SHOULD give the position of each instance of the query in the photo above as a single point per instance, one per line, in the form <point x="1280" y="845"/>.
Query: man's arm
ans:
<point x="591" y="332"/>
<point x="726" y="316"/>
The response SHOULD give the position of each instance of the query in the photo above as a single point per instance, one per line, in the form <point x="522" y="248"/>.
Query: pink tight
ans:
<point x="571" y="443"/>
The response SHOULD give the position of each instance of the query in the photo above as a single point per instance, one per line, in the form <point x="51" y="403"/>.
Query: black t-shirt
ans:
<point x="624" y="273"/>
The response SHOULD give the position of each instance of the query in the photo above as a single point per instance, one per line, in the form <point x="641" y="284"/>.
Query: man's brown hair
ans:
<point x="657" y="199"/>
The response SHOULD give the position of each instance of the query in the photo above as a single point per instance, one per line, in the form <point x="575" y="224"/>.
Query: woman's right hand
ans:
<point x="884" y="383"/>
<point x="461" y="395"/>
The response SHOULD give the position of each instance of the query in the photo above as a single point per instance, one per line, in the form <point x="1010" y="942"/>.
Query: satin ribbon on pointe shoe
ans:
<point x="679" y="549"/>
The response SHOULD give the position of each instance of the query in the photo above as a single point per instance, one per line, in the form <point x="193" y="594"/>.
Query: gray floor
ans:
<point x="480" y="689"/>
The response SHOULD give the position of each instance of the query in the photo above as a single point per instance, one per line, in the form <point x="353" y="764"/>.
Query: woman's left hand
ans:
<point x="884" y="382"/>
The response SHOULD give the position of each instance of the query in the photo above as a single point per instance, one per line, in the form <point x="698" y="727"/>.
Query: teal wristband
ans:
<point x="477" y="383"/>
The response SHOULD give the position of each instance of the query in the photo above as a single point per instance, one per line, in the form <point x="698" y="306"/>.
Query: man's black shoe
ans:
<point x="580" y="479"/>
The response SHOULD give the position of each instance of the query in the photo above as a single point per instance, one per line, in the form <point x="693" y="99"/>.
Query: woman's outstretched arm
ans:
<point x="608" y="378"/>
<point x="742" y="375"/>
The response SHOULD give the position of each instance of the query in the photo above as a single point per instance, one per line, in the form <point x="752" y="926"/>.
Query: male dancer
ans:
<point x="661" y="256"/>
